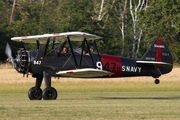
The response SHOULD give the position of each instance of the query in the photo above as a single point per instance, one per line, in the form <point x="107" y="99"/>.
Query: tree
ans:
<point x="4" y="22"/>
<point x="12" y="12"/>
<point x="161" y="21"/>
<point x="76" y="15"/>
<point x="121" y="10"/>
<point x="137" y="33"/>
<point x="34" y="17"/>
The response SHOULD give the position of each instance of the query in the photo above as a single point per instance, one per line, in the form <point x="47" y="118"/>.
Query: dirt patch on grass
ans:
<point x="11" y="76"/>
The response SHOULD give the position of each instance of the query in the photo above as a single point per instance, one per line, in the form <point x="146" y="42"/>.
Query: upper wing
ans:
<point x="73" y="36"/>
<point x="153" y="62"/>
<point x="84" y="73"/>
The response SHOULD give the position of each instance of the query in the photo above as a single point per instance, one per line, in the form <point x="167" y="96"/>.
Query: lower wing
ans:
<point x="84" y="73"/>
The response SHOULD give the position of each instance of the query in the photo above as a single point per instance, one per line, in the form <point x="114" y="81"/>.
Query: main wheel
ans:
<point x="49" y="93"/>
<point x="156" y="81"/>
<point x="35" y="94"/>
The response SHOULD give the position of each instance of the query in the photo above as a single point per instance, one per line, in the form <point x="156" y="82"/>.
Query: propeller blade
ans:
<point x="8" y="52"/>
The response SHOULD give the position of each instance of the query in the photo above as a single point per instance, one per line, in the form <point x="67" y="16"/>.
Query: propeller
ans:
<point x="8" y="52"/>
<point x="21" y="62"/>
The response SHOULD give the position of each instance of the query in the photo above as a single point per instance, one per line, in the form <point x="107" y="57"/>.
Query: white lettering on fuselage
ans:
<point x="159" y="46"/>
<point x="149" y="58"/>
<point x="131" y="69"/>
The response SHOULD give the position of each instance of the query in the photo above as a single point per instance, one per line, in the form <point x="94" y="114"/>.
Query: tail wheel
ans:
<point x="49" y="93"/>
<point x="35" y="94"/>
<point x="156" y="81"/>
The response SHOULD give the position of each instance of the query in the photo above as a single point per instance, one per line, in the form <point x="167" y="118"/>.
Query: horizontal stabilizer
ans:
<point x="153" y="62"/>
<point x="84" y="73"/>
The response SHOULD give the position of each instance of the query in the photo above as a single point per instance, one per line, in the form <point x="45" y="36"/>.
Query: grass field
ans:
<point x="92" y="99"/>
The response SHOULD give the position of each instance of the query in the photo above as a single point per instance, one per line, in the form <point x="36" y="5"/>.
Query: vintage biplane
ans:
<point x="47" y="60"/>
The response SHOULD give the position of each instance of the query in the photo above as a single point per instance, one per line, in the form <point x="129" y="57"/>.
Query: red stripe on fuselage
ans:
<point x="112" y="64"/>
<point x="159" y="51"/>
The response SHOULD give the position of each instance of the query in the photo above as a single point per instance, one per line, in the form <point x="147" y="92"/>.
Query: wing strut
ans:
<point x="97" y="50"/>
<point x="81" y="53"/>
<point x="22" y="43"/>
<point x="90" y="52"/>
<point x="37" y="44"/>
<point x="47" y="44"/>
<point x="72" y="52"/>
<point x="61" y="48"/>
<point x="53" y="44"/>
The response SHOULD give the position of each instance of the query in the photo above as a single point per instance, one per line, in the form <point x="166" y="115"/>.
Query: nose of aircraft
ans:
<point x="22" y="61"/>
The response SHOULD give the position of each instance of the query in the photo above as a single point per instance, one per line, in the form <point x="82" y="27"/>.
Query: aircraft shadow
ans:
<point x="126" y="98"/>
<point x="140" y="98"/>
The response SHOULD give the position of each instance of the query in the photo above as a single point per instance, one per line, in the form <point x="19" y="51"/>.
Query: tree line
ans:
<point x="128" y="27"/>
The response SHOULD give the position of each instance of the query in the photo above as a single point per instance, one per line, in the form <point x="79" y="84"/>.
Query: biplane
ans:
<point x="47" y="60"/>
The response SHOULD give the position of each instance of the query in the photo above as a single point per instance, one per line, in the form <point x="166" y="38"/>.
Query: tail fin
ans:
<point x="159" y="55"/>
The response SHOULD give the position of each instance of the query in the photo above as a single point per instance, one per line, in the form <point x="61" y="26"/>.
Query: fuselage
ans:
<point x="119" y="66"/>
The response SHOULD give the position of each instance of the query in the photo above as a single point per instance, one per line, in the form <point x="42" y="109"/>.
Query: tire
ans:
<point x="49" y="93"/>
<point x="35" y="94"/>
<point x="156" y="81"/>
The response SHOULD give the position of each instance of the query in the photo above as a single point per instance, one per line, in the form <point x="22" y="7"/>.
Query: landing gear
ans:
<point x="156" y="81"/>
<point x="36" y="93"/>
<point x="49" y="93"/>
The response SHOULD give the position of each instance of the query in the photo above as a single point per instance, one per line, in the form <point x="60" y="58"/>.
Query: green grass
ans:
<point x="94" y="101"/>
<point x="97" y="86"/>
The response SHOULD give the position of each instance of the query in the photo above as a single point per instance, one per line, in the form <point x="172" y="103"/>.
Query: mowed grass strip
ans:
<point x="96" y="87"/>
<point x="93" y="105"/>
<point x="93" y="100"/>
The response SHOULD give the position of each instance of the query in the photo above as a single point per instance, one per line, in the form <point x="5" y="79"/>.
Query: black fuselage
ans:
<point x="120" y="66"/>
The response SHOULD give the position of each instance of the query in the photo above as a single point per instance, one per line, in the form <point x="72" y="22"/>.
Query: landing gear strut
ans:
<point x="35" y="93"/>
<point x="49" y="93"/>
<point x="156" y="81"/>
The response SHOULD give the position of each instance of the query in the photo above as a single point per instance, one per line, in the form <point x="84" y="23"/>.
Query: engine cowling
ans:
<point x="22" y="61"/>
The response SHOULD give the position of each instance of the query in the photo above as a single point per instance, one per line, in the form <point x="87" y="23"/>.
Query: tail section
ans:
<point x="159" y="55"/>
